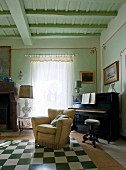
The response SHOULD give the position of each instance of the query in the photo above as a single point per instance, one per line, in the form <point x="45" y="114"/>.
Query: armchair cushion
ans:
<point x="46" y="128"/>
<point x="60" y="116"/>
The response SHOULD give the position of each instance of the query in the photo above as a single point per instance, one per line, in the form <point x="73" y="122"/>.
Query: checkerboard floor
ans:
<point x="22" y="155"/>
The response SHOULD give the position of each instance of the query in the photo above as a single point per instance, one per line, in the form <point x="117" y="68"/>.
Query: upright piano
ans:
<point x="105" y="109"/>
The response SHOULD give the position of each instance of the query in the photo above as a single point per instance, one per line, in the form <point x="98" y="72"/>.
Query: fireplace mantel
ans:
<point x="11" y="88"/>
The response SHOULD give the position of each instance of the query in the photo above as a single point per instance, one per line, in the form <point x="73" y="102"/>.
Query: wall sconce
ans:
<point x="20" y="76"/>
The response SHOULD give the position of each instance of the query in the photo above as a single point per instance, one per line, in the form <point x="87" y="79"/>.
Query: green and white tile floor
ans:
<point x="22" y="155"/>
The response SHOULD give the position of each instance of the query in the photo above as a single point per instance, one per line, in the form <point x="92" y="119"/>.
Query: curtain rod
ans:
<point x="38" y="55"/>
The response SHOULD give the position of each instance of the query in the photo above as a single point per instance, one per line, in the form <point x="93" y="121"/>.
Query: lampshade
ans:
<point x="77" y="84"/>
<point x="26" y="91"/>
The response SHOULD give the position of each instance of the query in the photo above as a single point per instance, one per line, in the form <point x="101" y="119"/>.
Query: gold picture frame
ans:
<point x="5" y="62"/>
<point x="87" y="77"/>
<point x="111" y="73"/>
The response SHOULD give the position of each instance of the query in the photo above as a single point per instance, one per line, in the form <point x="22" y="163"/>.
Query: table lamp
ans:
<point x="26" y="92"/>
<point x="77" y="86"/>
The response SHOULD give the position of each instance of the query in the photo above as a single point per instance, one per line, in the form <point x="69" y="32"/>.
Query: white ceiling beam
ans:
<point x="18" y="14"/>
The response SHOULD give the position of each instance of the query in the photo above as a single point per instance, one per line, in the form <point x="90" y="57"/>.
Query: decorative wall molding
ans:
<point x="113" y="34"/>
<point x="56" y="48"/>
<point x="122" y="55"/>
<point x="104" y="47"/>
<point x="93" y="50"/>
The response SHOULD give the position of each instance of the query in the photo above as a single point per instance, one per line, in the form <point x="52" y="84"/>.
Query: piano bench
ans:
<point x="91" y="134"/>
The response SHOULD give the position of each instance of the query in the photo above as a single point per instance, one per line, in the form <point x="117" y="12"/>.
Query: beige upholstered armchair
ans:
<point x="53" y="131"/>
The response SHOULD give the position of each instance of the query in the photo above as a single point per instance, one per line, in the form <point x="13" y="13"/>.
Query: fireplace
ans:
<point x="4" y="111"/>
<point x="8" y="105"/>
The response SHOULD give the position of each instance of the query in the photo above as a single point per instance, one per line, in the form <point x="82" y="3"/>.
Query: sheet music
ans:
<point x="85" y="98"/>
<point x="88" y="98"/>
<point x="92" y="98"/>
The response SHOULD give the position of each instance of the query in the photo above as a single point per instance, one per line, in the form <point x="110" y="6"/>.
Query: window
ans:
<point x="52" y="85"/>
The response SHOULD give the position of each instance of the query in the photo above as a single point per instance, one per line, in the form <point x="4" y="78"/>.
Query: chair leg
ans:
<point x="91" y="136"/>
<point x="85" y="137"/>
<point x="36" y="145"/>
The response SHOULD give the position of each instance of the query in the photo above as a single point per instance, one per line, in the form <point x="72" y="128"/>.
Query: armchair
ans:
<point x="46" y="134"/>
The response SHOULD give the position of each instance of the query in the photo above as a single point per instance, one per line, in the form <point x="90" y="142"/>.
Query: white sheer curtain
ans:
<point x="52" y="86"/>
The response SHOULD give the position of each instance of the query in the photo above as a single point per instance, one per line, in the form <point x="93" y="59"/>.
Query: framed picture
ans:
<point x="111" y="73"/>
<point x="5" y="62"/>
<point x="87" y="77"/>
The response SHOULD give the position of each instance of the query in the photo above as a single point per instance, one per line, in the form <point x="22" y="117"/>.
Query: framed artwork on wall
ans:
<point x="5" y="62"/>
<point x="111" y="73"/>
<point x="87" y="77"/>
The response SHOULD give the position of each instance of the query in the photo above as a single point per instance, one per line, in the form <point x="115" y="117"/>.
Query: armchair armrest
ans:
<point x="63" y="129"/>
<point x="37" y="121"/>
<point x="65" y="122"/>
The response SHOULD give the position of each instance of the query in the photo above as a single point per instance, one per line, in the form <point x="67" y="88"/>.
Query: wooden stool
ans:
<point x="91" y="134"/>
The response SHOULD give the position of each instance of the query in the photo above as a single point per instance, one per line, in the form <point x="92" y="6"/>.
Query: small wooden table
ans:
<point x="24" y="123"/>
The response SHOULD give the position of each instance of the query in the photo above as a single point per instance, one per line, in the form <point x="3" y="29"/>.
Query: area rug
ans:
<point x="22" y="155"/>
